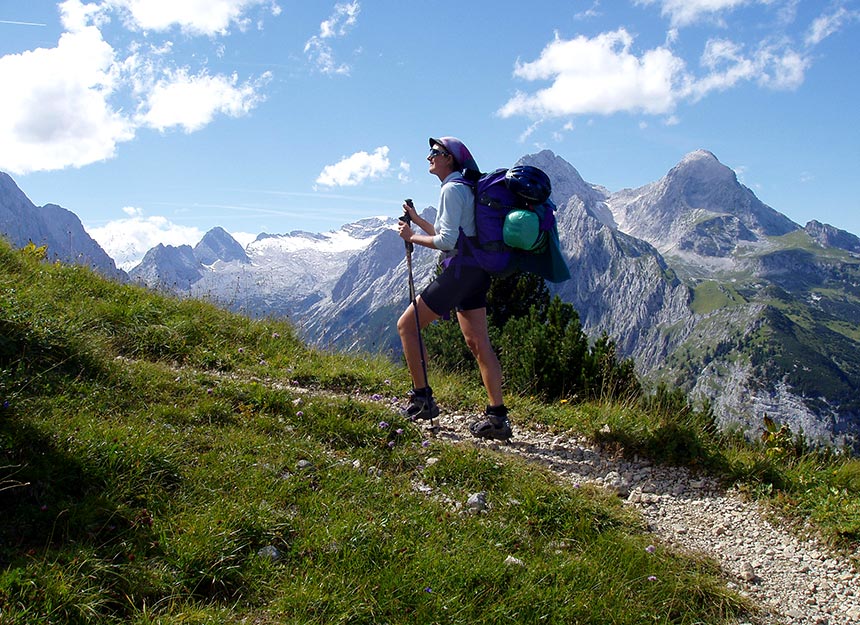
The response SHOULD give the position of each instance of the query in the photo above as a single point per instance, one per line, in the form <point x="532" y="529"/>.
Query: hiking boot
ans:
<point x="492" y="426"/>
<point x="421" y="406"/>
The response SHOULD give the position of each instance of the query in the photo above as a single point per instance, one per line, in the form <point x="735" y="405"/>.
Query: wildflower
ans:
<point x="376" y="397"/>
<point x="387" y="382"/>
<point x="425" y="443"/>
<point x="275" y="335"/>
<point x="428" y="589"/>
<point x="383" y="425"/>
<point x="391" y="444"/>
<point x="652" y="578"/>
<point x="398" y="431"/>
<point x="563" y="401"/>
<point x="5" y="404"/>
<point x="300" y="414"/>
<point x="298" y="401"/>
<point x="650" y="548"/>
<point x="241" y="350"/>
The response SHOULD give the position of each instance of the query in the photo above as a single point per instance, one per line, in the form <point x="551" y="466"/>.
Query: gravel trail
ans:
<point x="795" y="581"/>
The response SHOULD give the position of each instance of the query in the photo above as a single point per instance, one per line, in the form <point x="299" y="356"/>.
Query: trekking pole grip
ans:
<point x="405" y="218"/>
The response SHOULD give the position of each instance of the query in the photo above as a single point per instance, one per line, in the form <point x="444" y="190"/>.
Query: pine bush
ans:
<point x="540" y="343"/>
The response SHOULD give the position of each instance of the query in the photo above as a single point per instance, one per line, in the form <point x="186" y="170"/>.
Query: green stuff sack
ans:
<point x="522" y="231"/>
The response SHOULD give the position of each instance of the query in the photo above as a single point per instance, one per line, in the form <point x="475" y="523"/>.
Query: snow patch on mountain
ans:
<point x="349" y="238"/>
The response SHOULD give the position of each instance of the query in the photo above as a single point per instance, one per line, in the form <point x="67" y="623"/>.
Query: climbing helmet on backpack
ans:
<point x="529" y="182"/>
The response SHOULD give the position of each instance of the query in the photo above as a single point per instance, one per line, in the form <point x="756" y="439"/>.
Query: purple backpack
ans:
<point x="493" y="202"/>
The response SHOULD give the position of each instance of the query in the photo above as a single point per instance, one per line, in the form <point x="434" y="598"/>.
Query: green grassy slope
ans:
<point x="155" y="454"/>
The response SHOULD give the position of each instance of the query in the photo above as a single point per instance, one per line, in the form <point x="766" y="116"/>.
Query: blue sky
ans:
<point x="156" y="120"/>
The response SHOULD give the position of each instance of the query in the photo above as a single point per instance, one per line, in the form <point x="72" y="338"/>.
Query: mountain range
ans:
<point x="699" y="282"/>
<point x="21" y="222"/>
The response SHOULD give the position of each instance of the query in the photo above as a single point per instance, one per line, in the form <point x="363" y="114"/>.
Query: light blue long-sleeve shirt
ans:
<point x="456" y="210"/>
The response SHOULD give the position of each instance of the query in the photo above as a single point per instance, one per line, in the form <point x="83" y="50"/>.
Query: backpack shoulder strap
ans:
<point x="461" y="180"/>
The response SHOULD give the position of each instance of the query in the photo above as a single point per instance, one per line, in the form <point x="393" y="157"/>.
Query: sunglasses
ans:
<point x="434" y="153"/>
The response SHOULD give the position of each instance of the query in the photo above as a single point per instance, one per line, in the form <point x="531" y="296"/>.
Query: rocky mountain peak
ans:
<point x="566" y="181"/>
<point x="167" y="266"/>
<point x="700" y="180"/>
<point x="217" y="244"/>
<point x="830" y="236"/>
<point x="703" y="161"/>
<point x="699" y="207"/>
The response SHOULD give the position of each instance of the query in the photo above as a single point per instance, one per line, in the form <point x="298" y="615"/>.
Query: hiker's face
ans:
<point x="440" y="161"/>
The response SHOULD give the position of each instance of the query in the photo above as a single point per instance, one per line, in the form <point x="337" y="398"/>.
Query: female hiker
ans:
<point x="461" y="286"/>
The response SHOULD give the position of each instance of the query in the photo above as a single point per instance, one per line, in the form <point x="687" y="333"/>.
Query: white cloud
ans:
<point x="196" y="17"/>
<point x="344" y="17"/>
<point x="599" y="75"/>
<point x="591" y="12"/>
<point x="825" y="25"/>
<point x="72" y="105"/>
<point x="782" y="69"/>
<point x="726" y="65"/>
<point x="193" y="101"/>
<point x="528" y="132"/>
<point x="403" y="173"/>
<point x="319" y="49"/>
<point x="76" y="16"/>
<point x="59" y="112"/>
<point x="128" y="240"/>
<point x="354" y="170"/>
<point x="686" y="12"/>
<point x="603" y="75"/>
<point x="775" y="66"/>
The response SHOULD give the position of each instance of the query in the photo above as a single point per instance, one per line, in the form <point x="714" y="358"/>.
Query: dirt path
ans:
<point x="795" y="581"/>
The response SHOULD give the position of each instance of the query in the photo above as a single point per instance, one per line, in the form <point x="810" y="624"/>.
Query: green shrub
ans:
<point x="541" y="346"/>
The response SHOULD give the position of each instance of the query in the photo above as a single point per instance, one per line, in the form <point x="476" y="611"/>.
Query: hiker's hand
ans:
<point x="410" y="211"/>
<point x="406" y="232"/>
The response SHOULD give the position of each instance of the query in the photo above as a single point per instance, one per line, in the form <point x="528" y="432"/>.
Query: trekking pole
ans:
<point x="409" y="248"/>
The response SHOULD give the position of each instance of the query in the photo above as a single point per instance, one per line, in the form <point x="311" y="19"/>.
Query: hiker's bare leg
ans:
<point x="408" y="331"/>
<point x="473" y="324"/>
